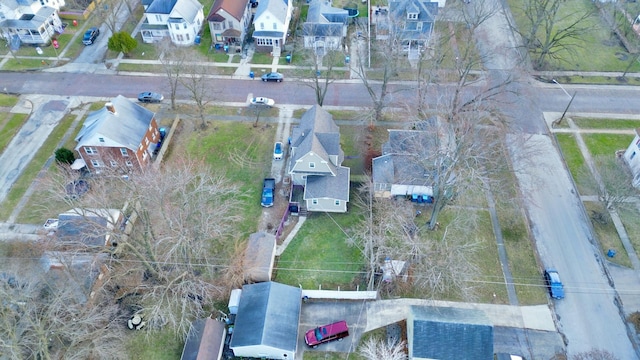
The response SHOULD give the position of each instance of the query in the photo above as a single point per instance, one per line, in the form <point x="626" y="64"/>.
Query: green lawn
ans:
<point x="320" y="256"/>
<point x="598" y="123"/>
<point x="629" y="215"/>
<point x="161" y="346"/>
<point x="8" y="100"/>
<point x="9" y="128"/>
<point x="606" y="232"/>
<point x="576" y="164"/>
<point x="606" y="144"/>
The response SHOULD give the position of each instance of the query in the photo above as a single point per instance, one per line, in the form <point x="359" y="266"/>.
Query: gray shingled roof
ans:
<point x="317" y="132"/>
<point x="277" y="8"/>
<point x="187" y="10"/>
<point x="161" y="6"/>
<point x="398" y="165"/>
<point x="126" y="127"/>
<point x="204" y="340"/>
<point x="329" y="187"/>
<point x="86" y="226"/>
<point x="324" y="20"/>
<point x="426" y="10"/>
<point x="450" y="333"/>
<point x="268" y="314"/>
<point x="33" y="23"/>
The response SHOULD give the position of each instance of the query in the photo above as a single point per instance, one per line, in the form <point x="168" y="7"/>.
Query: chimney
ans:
<point x="110" y="108"/>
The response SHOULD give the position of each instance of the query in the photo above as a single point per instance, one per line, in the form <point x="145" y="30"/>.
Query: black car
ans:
<point x="150" y="97"/>
<point x="273" y="76"/>
<point x="90" y="36"/>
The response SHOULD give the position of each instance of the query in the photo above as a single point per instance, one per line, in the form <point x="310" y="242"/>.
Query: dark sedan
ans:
<point x="90" y="36"/>
<point x="273" y="76"/>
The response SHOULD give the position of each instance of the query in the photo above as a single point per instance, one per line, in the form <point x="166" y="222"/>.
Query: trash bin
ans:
<point x="197" y="41"/>
<point x="611" y="253"/>
<point x="347" y="59"/>
<point x="226" y="48"/>
<point x="288" y="57"/>
<point x="251" y="74"/>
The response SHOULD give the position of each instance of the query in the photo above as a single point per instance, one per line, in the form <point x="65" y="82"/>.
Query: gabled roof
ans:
<point x="161" y="6"/>
<point x="329" y="187"/>
<point x="186" y="9"/>
<point x="205" y="340"/>
<point x="317" y="133"/>
<point x="268" y="314"/>
<point x="33" y="22"/>
<point x="450" y="333"/>
<point x="426" y="10"/>
<point x="235" y="8"/>
<point x="319" y="12"/>
<point x="124" y="128"/>
<point x="397" y="164"/>
<point x="278" y="8"/>
<point x="89" y="227"/>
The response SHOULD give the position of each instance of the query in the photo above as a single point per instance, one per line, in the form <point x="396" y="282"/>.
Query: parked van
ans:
<point x="326" y="333"/>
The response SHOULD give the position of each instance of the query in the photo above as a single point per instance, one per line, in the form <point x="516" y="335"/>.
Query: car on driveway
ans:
<point x="552" y="279"/>
<point x="150" y="97"/>
<point x="90" y="36"/>
<point x="262" y="101"/>
<point x="273" y="76"/>
<point x="277" y="151"/>
<point x="326" y="333"/>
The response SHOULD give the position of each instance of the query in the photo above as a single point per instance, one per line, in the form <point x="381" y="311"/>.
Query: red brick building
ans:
<point x="120" y="137"/>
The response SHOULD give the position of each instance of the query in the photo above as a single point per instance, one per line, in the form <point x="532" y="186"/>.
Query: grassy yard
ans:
<point x="576" y="164"/>
<point x="9" y="126"/>
<point x="161" y="346"/>
<point x="606" y="144"/>
<point x="629" y="215"/>
<point x="597" y="123"/>
<point x="606" y="232"/>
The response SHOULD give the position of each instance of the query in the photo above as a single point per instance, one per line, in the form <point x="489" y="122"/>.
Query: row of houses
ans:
<point x="230" y="21"/>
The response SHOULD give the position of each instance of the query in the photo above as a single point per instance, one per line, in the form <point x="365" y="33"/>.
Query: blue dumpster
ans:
<point x="251" y="74"/>
<point x="197" y="41"/>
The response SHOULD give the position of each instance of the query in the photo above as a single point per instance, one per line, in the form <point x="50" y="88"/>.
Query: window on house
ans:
<point x="101" y="139"/>
<point x="180" y="38"/>
<point x="275" y="26"/>
<point x="230" y="24"/>
<point x="337" y="203"/>
<point x="153" y="136"/>
<point x="633" y="154"/>
<point x="176" y="26"/>
<point x="124" y="152"/>
<point x="146" y="141"/>
<point x="114" y="163"/>
<point x="90" y="150"/>
<point x="158" y="18"/>
<point x="312" y="165"/>
<point x="216" y="26"/>
<point x="314" y="201"/>
<point x="412" y="16"/>
<point x="95" y="163"/>
<point x="129" y="163"/>
<point x="261" y="26"/>
<point x="184" y="25"/>
<point x="187" y="35"/>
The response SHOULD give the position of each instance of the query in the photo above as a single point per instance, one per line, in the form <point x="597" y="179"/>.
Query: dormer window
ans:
<point x="412" y="16"/>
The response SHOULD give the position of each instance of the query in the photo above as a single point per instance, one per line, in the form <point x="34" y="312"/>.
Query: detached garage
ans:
<point x="266" y="325"/>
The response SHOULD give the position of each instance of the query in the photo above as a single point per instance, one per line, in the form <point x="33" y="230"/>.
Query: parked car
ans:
<point x="277" y="151"/>
<point x="90" y="36"/>
<point x="262" y="101"/>
<point x="326" y="333"/>
<point x="268" y="187"/>
<point x="150" y="97"/>
<point x="556" y="289"/>
<point x="273" y="76"/>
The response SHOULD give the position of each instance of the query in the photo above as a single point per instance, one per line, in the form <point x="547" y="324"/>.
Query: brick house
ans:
<point x="120" y="137"/>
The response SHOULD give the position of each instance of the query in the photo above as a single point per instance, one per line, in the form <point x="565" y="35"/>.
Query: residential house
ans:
<point x="229" y="21"/>
<point x="325" y="28"/>
<point x="259" y="257"/>
<point x="398" y="172"/>
<point x="205" y="340"/>
<point x="83" y="271"/>
<point x="316" y="162"/>
<point x="91" y="228"/>
<point x="632" y="158"/>
<point x="33" y="22"/>
<point x="449" y="333"/>
<point x="271" y="25"/>
<point x="121" y="136"/>
<point x="181" y="20"/>
<point x="410" y="22"/>
<point x="266" y="325"/>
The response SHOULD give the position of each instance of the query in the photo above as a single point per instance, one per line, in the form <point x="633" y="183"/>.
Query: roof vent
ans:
<point x="109" y="106"/>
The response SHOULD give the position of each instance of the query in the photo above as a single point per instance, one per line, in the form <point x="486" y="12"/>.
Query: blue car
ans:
<point x="273" y="76"/>
<point x="552" y="279"/>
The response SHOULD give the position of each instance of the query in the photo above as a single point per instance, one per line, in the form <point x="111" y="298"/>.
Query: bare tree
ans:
<point x="173" y="60"/>
<point x="376" y="349"/>
<point x="177" y="233"/>
<point x="595" y="354"/>
<point x="323" y="72"/>
<point x="195" y="79"/>
<point x="551" y="31"/>
<point x="616" y="181"/>
<point x="108" y="10"/>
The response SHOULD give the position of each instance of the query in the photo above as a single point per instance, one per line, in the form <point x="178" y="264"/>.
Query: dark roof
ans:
<point x="317" y="132"/>
<point x="80" y="270"/>
<point x="320" y="29"/>
<point x="398" y="163"/>
<point x="450" y="333"/>
<point x="329" y="187"/>
<point x="205" y="340"/>
<point x="235" y="8"/>
<point x="161" y="6"/>
<point x="426" y="10"/>
<point x="268" y="34"/>
<point x="86" y="226"/>
<point x="324" y="20"/>
<point x="268" y="314"/>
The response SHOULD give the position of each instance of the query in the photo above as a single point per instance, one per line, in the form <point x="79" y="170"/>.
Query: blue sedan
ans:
<point x="556" y="289"/>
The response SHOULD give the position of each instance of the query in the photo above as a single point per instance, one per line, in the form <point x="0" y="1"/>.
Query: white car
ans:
<point x="262" y="101"/>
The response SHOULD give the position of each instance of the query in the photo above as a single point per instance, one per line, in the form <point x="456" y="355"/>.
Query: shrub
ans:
<point x="65" y="156"/>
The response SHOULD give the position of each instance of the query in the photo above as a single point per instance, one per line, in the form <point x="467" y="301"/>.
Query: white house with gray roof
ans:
<point x="316" y="162"/>
<point x="325" y="28"/>
<point x="30" y="21"/>
<point x="180" y="20"/>
<point x="271" y="24"/>
<point x="266" y="325"/>
<point x="120" y="137"/>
